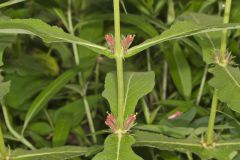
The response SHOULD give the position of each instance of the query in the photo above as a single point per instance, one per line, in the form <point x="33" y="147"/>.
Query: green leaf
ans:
<point x="60" y="153"/>
<point x="62" y="129"/>
<point x="177" y="31"/>
<point x="48" y="33"/>
<point x="180" y="70"/>
<point x="5" y="41"/>
<point x="136" y="85"/>
<point x="43" y="98"/>
<point x="222" y="149"/>
<point x="208" y="41"/>
<point x="227" y="82"/>
<point x="118" y="148"/>
<point x="4" y="88"/>
<point x="41" y="128"/>
<point x="23" y="88"/>
<point x="8" y="3"/>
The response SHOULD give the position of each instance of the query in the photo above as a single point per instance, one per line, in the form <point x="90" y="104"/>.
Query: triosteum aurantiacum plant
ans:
<point x="124" y="89"/>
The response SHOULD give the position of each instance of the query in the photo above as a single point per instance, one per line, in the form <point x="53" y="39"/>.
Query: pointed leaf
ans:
<point x="227" y="81"/>
<point x="60" y="153"/>
<point x="222" y="149"/>
<point x="180" y="30"/>
<point x="62" y="129"/>
<point x="118" y="148"/>
<point x="48" y="33"/>
<point x="136" y="85"/>
<point x="4" y="88"/>
<point x="180" y="70"/>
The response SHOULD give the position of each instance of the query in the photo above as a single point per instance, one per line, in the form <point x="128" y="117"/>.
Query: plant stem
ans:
<point x="76" y="56"/>
<point x="202" y="85"/>
<point x="225" y="32"/>
<point x="164" y="82"/>
<point x="97" y="73"/>
<point x="48" y="118"/>
<point x="2" y="145"/>
<point x="211" y="122"/>
<point x="210" y="132"/>
<point x="119" y="61"/>
<point x="12" y="131"/>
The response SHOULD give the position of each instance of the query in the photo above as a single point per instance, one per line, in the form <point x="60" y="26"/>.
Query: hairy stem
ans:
<point x="211" y="122"/>
<point x="76" y="57"/>
<point x="225" y="32"/>
<point x="119" y="62"/>
<point x="210" y="132"/>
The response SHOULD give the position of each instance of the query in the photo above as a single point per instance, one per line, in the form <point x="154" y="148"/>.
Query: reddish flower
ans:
<point x="130" y="121"/>
<point x="175" y="115"/>
<point x="126" y="42"/>
<point x="110" y="41"/>
<point x="111" y="122"/>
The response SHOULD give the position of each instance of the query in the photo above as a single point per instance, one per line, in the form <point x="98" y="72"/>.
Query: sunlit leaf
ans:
<point x="221" y="150"/>
<point x="179" y="30"/>
<point x="48" y="33"/>
<point x="227" y="82"/>
<point x="118" y="148"/>
<point x="136" y="85"/>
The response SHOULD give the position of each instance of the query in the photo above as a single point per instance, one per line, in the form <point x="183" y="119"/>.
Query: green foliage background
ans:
<point x="43" y="102"/>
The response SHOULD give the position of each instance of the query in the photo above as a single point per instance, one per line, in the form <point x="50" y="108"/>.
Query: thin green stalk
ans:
<point x="225" y="32"/>
<point x="97" y="73"/>
<point x="119" y="62"/>
<point x="8" y="3"/>
<point x="189" y="155"/>
<point x="211" y="122"/>
<point x="48" y="118"/>
<point x="202" y="85"/>
<point x="12" y="131"/>
<point x="2" y="145"/>
<point x="76" y="56"/>
<point x="164" y="82"/>
<point x="210" y="132"/>
<point x="149" y="67"/>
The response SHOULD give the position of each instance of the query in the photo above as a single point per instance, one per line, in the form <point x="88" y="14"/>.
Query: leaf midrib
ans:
<point x="232" y="77"/>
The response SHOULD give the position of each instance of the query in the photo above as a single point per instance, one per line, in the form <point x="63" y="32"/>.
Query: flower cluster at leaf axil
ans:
<point x="125" y="42"/>
<point x="112" y="123"/>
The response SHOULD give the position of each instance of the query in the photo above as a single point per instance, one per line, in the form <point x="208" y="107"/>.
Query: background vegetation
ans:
<point x="55" y="97"/>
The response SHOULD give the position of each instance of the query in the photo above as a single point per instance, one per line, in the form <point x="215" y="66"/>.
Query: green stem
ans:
<point x="2" y="145"/>
<point x="119" y="62"/>
<point x="12" y="131"/>
<point x="76" y="56"/>
<point x="211" y="122"/>
<point x="48" y="118"/>
<point x="225" y="32"/>
<point x="189" y="155"/>
<point x="210" y="132"/>
<point x="202" y="85"/>
<point x="164" y="82"/>
<point x="97" y="73"/>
